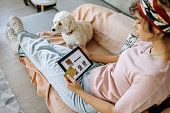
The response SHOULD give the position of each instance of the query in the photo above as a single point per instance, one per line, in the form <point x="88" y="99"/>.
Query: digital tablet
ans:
<point x="77" y="60"/>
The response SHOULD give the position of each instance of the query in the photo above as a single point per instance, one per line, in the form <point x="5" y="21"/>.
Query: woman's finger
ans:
<point x="70" y="78"/>
<point x="68" y="84"/>
<point x="81" y="47"/>
<point x="85" y="50"/>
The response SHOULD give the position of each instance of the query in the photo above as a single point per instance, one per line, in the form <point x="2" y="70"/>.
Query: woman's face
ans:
<point x="142" y="28"/>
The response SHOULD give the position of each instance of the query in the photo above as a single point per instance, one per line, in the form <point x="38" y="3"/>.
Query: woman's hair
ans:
<point x="164" y="3"/>
<point x="134" y="7"/>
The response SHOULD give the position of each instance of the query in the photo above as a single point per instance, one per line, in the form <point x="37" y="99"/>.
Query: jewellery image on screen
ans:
<point x="69" y="62"/>
<point x="84" y="63"/>
<point x="80" y="67"/>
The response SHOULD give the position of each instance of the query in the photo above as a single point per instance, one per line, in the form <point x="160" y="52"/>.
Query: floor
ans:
<point x="16" y="74"/>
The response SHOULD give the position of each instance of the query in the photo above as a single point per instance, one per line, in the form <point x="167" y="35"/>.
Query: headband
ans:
<point x="157" y="16"/>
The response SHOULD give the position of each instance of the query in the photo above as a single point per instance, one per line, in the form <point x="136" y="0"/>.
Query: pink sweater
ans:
<point x="136" y="82"/>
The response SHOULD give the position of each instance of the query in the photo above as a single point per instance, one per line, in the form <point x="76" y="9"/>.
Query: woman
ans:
<point x="137" y="81"/>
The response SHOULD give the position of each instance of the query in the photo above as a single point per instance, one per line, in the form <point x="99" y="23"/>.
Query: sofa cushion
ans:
<point x="110" y="28"/>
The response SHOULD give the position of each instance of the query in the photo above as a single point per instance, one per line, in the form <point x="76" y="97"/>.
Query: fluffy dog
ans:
<point x="75" y="33"/>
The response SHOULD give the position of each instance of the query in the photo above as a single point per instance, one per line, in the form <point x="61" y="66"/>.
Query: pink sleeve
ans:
<point x="141" y="95"/>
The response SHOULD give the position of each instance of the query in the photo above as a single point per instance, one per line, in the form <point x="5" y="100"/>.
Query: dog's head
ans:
<point x="63" y="22"/>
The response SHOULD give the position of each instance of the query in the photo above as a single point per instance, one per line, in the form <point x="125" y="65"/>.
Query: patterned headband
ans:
<point x="157" y="16"/>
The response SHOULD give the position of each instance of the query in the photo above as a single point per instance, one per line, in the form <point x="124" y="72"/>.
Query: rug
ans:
<point x="8" y="102"/>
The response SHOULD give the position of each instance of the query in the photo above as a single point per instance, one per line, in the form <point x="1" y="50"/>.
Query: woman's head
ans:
<point x="150" y="21"/>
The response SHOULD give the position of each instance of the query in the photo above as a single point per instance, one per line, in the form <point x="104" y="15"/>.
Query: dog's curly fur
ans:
<point x="75" y="33"/>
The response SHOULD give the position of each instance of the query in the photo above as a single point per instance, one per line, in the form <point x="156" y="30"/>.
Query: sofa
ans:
<point x="111" y="23"/>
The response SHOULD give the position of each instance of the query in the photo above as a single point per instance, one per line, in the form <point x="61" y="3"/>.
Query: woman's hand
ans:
<point x="72" y="84"/>
<point x="85" y="51"/>
<point x="100" y="105"/>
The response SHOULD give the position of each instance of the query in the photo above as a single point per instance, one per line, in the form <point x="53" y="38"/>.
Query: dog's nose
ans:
<point x="53" y="29"/>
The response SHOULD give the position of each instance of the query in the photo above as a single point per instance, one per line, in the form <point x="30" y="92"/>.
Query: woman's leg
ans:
<point x="44" y="55"/>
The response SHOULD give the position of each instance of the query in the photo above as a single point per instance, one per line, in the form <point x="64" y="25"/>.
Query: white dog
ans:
<point x="75" y="33"/>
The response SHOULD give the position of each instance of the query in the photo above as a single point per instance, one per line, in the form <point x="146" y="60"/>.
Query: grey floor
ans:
<point x="16" y="74"/>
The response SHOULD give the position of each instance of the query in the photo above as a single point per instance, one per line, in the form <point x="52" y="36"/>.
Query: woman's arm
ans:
<point x="101" y="58"/>
<point x="100" y="105"/>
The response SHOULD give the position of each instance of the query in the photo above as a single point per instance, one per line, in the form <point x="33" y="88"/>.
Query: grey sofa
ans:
<point x="43" y="20"/>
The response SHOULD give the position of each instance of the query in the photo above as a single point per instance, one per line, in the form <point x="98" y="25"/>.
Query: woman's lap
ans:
<point x="44" y="55"/>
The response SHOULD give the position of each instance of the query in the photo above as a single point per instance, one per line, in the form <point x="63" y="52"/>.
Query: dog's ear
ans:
<point x="71" y="25"/>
